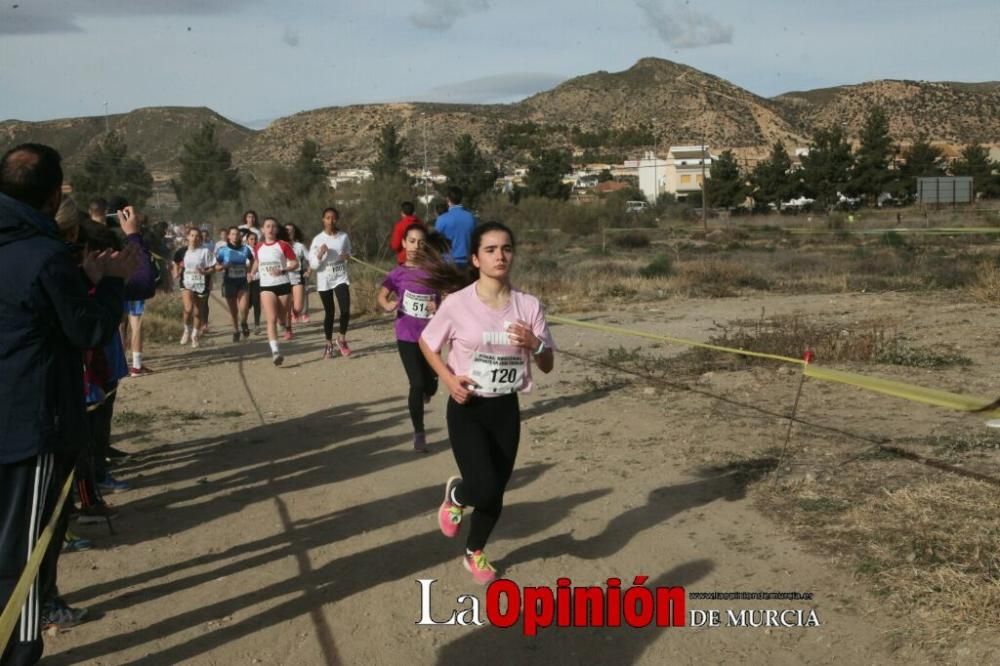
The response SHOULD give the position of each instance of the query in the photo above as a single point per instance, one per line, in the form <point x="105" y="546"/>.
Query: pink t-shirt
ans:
<point x="478" y="340"/>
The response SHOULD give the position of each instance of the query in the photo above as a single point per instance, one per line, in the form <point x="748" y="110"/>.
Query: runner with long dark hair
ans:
<point x="404" y="293"/>
<point x="328" y="256"/>
<point x="494" y="334"/>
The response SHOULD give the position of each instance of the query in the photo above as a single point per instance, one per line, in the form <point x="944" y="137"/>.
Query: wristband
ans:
<point x="541" y="348"/>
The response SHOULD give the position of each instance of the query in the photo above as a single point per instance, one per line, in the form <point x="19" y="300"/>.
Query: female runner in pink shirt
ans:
<point x="494" y="334"/>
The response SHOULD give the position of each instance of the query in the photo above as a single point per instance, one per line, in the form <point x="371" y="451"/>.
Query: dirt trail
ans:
<point x="295" y="532"/>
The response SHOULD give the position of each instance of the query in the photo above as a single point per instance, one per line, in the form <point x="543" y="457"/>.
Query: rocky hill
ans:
<point x="156" y="133"/>
<point x="955" y="113"/>
<point x="654" y="102"/>
<point x="680" y="103"/>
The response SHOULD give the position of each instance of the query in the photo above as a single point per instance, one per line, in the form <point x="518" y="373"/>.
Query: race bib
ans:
<point x="194" y="280"/>
<point x="335" y="272"/>
<point x="498" y="374"/>
<point x="271" y="268"/>
<point x="417" y="305"/>
<point x="236" y="272"/>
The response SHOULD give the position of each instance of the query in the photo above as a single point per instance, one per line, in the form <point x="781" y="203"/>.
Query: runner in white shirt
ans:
<point x="297" y="313"/>
<point x="274" y="260"/>
<point x="192" y="270"/>
<point x="328" y="256"/>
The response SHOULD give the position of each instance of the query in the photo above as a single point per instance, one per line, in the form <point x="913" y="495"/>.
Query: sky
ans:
<point x="255" y="60"/>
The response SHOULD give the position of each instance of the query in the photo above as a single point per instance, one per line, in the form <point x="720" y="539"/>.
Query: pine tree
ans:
<point x="469" y="169"/>
<point x="921" y="160"/>
<point x="207" y="178"/>
<point x="392" y="151"/>
<point x="975" y="161"/>
<point x="826" y="170"/>
<point x="545" y="174"/>
<point x="871" y="168"/>
<point x="305" y="177"/>
<point x="108" y="171"/>
<point x="773" y="180"/>
<point x="727" y="188"/>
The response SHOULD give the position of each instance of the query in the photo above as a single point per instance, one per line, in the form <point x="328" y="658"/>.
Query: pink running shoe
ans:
<point x="482" y="571"/>
<point x="304" y="318"/>
<point x="344" y="349"/>
<point x="450" y="514"/>
<point x="288" y="334"/>
<point x="295" y="318"/>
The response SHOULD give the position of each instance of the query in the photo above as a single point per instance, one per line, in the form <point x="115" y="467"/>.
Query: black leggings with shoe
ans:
<point x="484" y="435"/>
<point x="254" y="291"/>
<point x="343" y="293"/>
<point x="423" y="381"/>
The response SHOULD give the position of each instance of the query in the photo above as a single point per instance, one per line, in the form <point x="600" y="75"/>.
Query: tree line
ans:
<point x="831" y="168"/>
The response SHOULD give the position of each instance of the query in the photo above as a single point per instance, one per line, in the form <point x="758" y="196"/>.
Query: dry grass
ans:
<point x="986" y="286"/>
<point x="161" y="321"/>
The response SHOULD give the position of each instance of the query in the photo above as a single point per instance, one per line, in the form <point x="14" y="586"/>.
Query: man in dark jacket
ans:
<point x="47" y="318"/>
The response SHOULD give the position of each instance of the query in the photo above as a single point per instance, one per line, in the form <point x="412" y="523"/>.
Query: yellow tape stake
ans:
<point x="13" y="609"/>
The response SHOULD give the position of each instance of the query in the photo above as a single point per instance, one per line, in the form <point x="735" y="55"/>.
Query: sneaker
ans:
<point x="328" y="350"/>
<point x="204" y="329"/>
<point x="139" y="372"/>
<point x="295" y="318"/>
<point x="277" y="358"/>
<point x="60" y="616"/>
<point x="185" y="337"/>
<point x="304" y="318"/>
<point x="344" y="349"/>
<point x="419" y="442"/>
<point x="236" y="336"/>
<point x="246" y="331"/>
<point x="75" y="544"/>
<point x="288" y="334"/>
<point x="256" y="330"/>
<point x="110" y="484"/>
<point x="194" y="342"/>
<point x="482" y="571"/>
<point x="98" y="513"/>
<point x="450" y="514"/>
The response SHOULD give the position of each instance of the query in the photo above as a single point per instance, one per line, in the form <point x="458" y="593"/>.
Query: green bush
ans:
<point x="660" y="266"/>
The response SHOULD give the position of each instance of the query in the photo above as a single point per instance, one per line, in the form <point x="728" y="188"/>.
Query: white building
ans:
<point x="679" y="174"/>
<point x="342" y="176"/>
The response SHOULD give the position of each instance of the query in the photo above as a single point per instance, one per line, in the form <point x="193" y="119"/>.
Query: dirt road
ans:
<point x="280" y="516"/>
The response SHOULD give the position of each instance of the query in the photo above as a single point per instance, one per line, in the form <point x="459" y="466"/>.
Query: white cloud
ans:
<point x="492" y="89"/>
<point x="32" y="17"/>
<point x="682" y="27"/>
<point x="442" y="14"/>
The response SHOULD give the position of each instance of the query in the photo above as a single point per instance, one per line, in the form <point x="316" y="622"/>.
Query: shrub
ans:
<point x="660" y="266"/>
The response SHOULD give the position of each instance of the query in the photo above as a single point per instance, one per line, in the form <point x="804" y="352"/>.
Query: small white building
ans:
<point x="679" y="174"/>
<point x="344" y="176"/>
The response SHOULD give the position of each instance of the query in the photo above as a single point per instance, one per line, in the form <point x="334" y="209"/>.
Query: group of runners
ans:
<point x="267" y="268"/>
<point x="451" y="289"/>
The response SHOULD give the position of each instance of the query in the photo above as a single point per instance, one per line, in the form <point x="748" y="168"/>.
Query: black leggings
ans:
<point x="100" y="432"/>
<point x="423" y="381"/>
<point x="343" y="292"/>
<point x="484" y="435"/>
<point x="254" y="289"/>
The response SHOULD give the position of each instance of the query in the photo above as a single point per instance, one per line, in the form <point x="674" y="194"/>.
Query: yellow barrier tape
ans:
<point x="891" y="387"/>
<point x="13" y="609"/>
<point x="668" y="338"/>
<point x="371" y="266"/>
<point x="932" y="231"/>
<point x="927" y="396"/>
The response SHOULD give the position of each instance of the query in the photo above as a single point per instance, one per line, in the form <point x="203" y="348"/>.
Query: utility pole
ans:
<point x="107" y="126"/>
<point x="656" y="149"/>
<point x="427" y="202"/>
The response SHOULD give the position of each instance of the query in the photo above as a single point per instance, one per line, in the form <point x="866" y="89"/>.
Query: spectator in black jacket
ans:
<point x="47" y="317"/>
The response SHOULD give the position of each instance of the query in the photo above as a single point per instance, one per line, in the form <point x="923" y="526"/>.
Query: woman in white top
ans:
<point x="193" y="267"/>
<point x="273" y="261"/>
<point x="328" y="255"/>
<point x="297" y="312"/>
